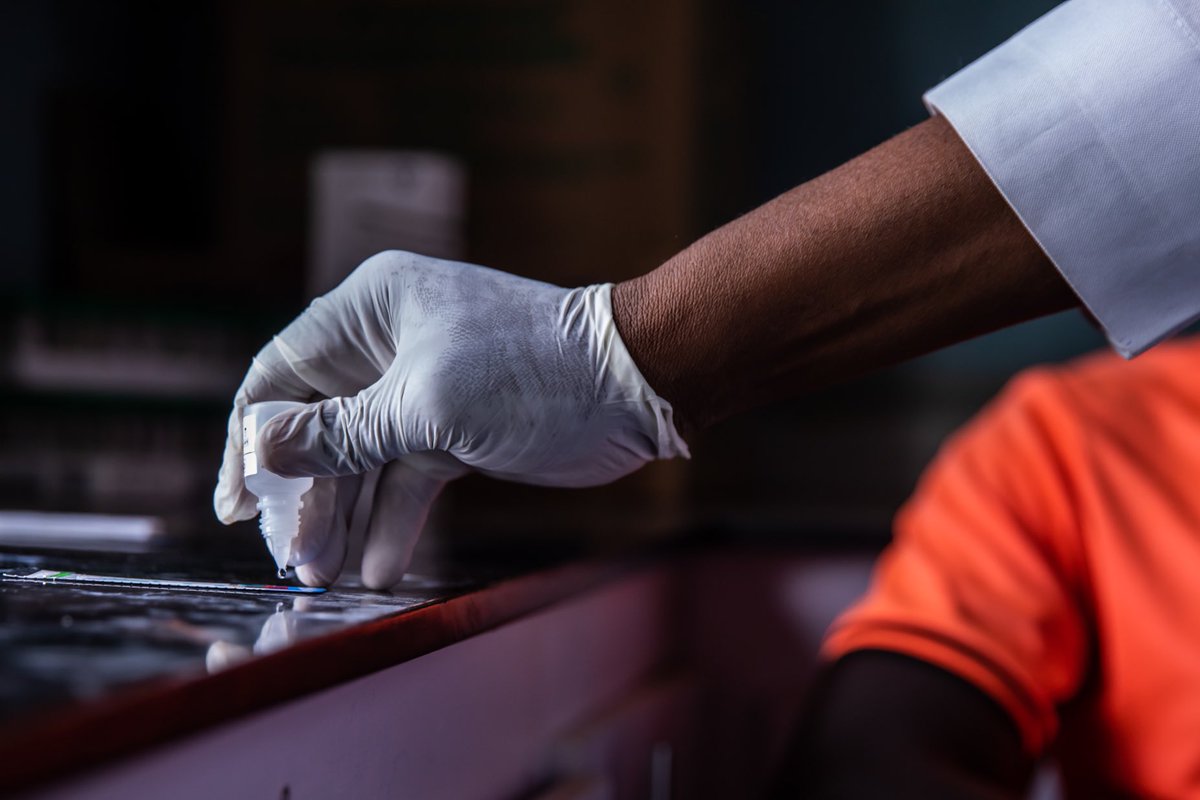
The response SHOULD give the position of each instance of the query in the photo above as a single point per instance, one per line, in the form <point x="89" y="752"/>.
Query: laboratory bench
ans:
<point x="672" y="672"/>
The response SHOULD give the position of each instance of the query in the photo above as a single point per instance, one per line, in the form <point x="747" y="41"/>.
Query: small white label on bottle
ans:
<point x="249" y="432"/>
<point x="249" y="464"/>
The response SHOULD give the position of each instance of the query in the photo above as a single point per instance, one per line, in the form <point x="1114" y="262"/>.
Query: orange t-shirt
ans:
<point x="1051" y="557"/>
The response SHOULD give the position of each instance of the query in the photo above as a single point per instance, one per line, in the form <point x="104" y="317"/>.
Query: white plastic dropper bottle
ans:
<point x="279" y="500"/>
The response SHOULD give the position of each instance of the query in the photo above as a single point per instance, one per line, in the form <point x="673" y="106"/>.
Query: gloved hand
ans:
<point x="430" y="369"/>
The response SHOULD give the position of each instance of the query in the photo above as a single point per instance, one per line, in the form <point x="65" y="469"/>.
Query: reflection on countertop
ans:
<point x="90" y="674"/>
<point x="62" y="644"/>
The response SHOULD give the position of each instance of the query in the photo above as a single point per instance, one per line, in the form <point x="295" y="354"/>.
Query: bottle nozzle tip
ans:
<point x="281" y="552"/>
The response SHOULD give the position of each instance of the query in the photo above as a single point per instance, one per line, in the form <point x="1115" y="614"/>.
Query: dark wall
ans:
<point x="133" y="127"/>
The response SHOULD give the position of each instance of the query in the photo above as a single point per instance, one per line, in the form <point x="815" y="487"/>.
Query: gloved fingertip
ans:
<point x="312" y="574"/>
<point x="304" y="550"/>
<point x="381" y="576"/>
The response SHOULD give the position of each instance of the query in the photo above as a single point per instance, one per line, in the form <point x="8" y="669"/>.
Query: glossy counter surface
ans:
<point x="88" y="674"/>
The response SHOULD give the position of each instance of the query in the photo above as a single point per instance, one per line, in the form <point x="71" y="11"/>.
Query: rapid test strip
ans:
<point x="48" y="576"/>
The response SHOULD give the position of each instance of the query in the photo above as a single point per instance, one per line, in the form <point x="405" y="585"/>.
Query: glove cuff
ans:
<point x="623" y="381"/>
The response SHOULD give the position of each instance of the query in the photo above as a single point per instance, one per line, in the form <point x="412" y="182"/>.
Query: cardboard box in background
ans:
<point x="367" y="201"/>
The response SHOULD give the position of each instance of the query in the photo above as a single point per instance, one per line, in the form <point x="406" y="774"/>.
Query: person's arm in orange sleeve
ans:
<point x="943" y="681"/>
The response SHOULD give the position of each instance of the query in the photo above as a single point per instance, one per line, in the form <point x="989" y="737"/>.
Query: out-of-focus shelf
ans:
<point x="126" y="357"/>
<point x="36" y="366"/>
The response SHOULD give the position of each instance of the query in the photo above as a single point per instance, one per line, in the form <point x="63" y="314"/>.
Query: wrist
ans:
<point x="641" y="316"/>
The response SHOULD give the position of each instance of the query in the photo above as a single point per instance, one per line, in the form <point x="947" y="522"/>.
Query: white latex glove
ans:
<point x="430" y="369"/>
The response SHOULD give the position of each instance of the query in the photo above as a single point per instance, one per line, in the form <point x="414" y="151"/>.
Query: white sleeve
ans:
<point x="1088" y="121"/>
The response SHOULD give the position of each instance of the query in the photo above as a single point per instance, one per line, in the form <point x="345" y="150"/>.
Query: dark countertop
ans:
<point x="88" y="674"/>
<point x="62" y="644"/>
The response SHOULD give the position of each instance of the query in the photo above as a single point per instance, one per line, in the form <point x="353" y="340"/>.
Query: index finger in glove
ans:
<point x="320" y="549"/>
<point x="404" y="495"/>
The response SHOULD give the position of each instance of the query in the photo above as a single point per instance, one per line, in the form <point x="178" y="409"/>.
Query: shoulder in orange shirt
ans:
<point x="1051" y="557"/>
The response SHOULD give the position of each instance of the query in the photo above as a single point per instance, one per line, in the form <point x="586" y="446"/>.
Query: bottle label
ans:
<point x="249" y="435"/>
<point x="249" y="432"/>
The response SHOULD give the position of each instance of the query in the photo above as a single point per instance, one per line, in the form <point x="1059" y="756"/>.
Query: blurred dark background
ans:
<point x="176" y="189"/>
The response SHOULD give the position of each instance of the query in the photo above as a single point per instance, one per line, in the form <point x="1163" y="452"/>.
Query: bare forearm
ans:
<point x="903" y="250"/>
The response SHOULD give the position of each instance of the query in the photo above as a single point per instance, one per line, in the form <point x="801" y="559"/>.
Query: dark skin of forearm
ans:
<point x="905" y="249"/>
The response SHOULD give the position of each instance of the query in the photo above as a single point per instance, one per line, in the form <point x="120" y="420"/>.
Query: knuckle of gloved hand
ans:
<point x="377" y="270"/>
<point x="382" y="278"/>
<point x="382" y="573"/>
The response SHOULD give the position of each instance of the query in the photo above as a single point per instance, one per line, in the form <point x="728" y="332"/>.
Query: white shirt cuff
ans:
<point x="1088" y="122"/>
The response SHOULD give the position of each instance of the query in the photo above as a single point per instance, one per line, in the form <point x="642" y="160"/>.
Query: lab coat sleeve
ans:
<point x="1088" y="122"/>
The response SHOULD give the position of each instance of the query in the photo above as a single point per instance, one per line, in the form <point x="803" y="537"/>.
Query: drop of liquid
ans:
<point x="282" y="572"/>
